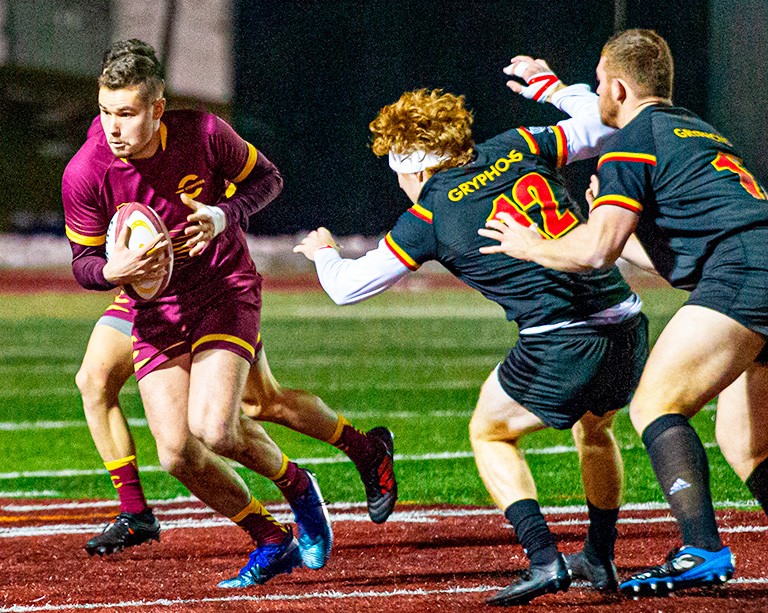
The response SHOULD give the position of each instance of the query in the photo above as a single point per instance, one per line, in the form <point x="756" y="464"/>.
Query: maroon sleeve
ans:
<point x="257" y="179"/>
<point x="88" y="266"/>
<point x="86" y="223"/>
<point x="256" y="191"/>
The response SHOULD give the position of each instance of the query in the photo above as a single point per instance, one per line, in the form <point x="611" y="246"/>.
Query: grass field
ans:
<point x="413" y="361"/>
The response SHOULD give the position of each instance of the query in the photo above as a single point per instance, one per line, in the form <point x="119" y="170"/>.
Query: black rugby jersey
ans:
<point x="686" y="182"/>
<point x="515" y="172"/>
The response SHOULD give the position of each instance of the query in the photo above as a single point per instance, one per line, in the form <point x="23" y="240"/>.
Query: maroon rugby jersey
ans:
<point x="198" y="155"/>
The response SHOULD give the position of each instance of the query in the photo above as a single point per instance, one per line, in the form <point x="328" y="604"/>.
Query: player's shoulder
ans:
<point x="93" y="157"/>
<point x="191" y="120"/>
<point x="519" y="138"/>
<point x="636" y="137"/>
<point x="676" y="124"/>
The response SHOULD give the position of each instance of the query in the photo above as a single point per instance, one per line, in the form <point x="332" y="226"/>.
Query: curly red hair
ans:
<point x="425" y="120"/>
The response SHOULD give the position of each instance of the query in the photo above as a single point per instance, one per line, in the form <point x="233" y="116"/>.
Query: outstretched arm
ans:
<point x="345" y="280"/>
<point x="584" y="131"/>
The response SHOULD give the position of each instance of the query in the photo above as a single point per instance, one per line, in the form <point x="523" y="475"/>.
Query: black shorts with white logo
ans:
<point x="561" y="374"/>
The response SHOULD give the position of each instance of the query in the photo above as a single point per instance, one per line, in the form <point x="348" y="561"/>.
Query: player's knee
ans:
<point x="176" y="460"/>
<point x="481" y="430"/>
<point x="743" y="459"/>
<point x="91" y="381"/>
<point x="272" y="406"/>
<point x="593" y="432"/>
<point x="216" y="436"/>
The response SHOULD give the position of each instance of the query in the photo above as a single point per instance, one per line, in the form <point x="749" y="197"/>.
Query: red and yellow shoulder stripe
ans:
<point x="627" y="156"/>
<point x="620" y="201"/>
<point x="400" y="253"/>
<point x="422" y="213"/>
<point x="562" y="146"/>
<point x="533" y="146"/>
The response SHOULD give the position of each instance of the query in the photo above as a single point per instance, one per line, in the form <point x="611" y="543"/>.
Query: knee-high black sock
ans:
<point x="602" y="533"/>
<point x="757" y="483"/>
<point x="680" y="463"/>
<point x="532" y="531"/>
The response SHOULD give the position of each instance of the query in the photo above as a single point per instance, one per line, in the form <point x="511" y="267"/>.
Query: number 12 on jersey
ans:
<point x="529" y="191"/>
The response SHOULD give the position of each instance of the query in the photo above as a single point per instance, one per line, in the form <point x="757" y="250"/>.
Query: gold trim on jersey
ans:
<point x="163" y="135"/>
<point x="82" y="239"/>
<point x="114" y="307"/>
<point x="249" y="164"/>
<point x="226" y="338"/>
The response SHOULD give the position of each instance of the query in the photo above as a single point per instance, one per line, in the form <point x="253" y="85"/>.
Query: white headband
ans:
<point x="415" y="161"/>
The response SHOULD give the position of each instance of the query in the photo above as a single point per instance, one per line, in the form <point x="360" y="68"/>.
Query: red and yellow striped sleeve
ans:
<point x="620" y="201"/>
<point x="400" y="253"/>
<point x="627" y="156"/>
<point x="421" y="213"/>
<point x="562" y="146"/>
<point x="528" y="137"/>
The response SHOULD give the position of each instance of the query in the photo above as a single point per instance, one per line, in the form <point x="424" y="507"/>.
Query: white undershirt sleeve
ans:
<point x="348" y="281"/>
<point x="584" y="131"/>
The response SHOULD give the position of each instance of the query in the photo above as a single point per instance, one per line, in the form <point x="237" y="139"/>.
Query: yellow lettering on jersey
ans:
<point x="480" y="180"/>
<point x="684" y="133"/>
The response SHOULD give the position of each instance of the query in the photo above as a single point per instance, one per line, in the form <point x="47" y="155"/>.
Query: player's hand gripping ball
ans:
<point x="145" y="227"/>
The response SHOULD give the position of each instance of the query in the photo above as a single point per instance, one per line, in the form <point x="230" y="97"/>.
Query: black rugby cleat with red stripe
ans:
<point x="379" y="477"/>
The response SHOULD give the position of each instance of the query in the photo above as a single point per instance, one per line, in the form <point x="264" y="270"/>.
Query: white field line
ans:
<point x="29" y="494"/>
<point x="350" y="385"/>
<point x="320" y="595"/>
<point x="488" y="359"/>
<point x="339" y="459"/>
<point x="140" y="422"/>
<point x="340" y="513"/>
<point x="166" y="506"/>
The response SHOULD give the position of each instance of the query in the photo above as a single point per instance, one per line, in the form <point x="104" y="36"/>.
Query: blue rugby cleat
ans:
<point x="685" y="567"/>
<point x="313" y="524"/>
<point x="266" y="562"/>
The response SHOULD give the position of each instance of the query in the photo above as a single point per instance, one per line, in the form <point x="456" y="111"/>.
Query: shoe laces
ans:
<point x="121" y="522"/>
<point x="261" y="558"/>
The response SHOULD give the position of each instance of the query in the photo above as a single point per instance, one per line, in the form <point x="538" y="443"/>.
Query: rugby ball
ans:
<point x="145" y="225"/>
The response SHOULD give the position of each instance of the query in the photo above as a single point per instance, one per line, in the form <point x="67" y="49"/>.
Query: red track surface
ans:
<point x="388" y="564"/>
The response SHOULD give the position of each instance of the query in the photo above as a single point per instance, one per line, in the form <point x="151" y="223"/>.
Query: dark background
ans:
<point x="311" y="75"/>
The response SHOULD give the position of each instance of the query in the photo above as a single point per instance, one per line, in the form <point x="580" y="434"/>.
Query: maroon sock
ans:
<point x="293" y="482"/>
<point x="259" y="524"/>
<point x="356" y="445"/>
<point x="126" y="480"/>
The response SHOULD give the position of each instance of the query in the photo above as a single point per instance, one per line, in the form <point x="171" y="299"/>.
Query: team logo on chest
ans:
<point x="191" y="185"/>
